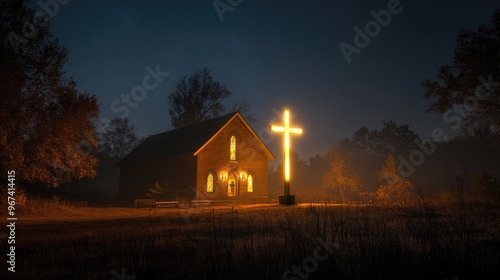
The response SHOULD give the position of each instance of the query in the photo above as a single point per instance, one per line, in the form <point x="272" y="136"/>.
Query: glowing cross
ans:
<point x="286" y="129"/>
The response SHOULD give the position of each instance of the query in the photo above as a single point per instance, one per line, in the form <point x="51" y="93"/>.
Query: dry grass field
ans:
<point x="423" y="240"/>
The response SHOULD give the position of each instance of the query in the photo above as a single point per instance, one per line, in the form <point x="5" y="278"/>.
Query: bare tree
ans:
<point x="119" y="138"/>
<point x="244" y="107"/>
<point x="200" y="98"/>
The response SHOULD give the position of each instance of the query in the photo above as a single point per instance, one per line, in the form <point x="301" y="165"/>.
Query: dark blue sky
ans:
<point x="271" y="53"/>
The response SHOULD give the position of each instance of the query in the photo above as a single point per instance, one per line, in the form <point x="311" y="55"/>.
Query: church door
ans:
<point x="232" y="185"/>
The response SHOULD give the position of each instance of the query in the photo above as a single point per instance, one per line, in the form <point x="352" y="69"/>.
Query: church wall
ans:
<point x="176" y="174"/>
<point x="250" y="159"/>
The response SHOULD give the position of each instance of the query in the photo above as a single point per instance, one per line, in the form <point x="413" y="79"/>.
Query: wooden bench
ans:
<point x="145" y="202"/>
<point x="201" y="203"/>
<point x="161" y="204"/>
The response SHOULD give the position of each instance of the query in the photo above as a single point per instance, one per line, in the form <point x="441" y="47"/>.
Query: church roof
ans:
<point x="189" y="139"/>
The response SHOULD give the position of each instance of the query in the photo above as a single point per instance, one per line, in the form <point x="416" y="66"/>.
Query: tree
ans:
<point x="46" y="125"/>
<point x="362" y="144"/>
<point x="392" y="138"/>
<point x="244" y="107"/>
<point x="396" y="139"/>
<point x="393" y="188"/>
<point x="366" y="150"/>
<point x="467" y="91"/>
<point x="200" y="98"/>
<point x="118" y="139"/>
<point x="338" y="177"/>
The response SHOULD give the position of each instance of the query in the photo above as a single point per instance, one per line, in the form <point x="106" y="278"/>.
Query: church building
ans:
<point x="218" y="159"/>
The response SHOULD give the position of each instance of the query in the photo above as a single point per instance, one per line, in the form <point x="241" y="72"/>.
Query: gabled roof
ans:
<point x="189" y="139"/>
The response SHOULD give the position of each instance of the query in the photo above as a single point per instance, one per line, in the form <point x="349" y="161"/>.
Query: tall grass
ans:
<point x="426" y="239"/>
<point x="46" y="206"/>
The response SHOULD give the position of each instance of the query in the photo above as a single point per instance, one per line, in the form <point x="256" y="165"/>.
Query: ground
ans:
<point x="424" y="240"/>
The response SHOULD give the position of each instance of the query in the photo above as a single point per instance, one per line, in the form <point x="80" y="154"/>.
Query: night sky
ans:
<point x="271" y="53"/>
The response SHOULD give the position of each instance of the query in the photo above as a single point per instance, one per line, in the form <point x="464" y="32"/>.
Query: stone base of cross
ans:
<point x="286" y="198"/>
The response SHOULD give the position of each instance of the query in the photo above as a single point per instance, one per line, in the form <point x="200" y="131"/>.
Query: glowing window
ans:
<point x="232" y="149"/>
<point x="210" y="183"/>
<point x="250" y="183"/>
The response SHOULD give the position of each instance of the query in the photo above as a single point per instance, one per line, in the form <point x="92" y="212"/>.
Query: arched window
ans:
<point x="250" y="183"/>
<point x="232" y="148"/>
<point x="210" y="183"/>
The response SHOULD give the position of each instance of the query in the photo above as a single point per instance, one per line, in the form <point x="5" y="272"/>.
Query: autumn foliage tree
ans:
<point x="339" y="178"/>
<point x="393" y="188"/>
<point x="46" y="124"/>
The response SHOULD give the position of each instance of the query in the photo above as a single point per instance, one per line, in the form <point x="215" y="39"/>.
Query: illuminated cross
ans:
<point x="286" y="129"/>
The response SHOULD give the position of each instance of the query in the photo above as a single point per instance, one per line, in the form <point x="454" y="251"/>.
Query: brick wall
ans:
<point x="250" y="159"/>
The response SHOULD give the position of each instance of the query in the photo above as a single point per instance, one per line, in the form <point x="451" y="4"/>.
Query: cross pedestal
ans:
<point x="286" y="198"/>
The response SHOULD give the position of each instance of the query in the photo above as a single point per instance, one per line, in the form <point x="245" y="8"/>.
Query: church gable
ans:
<point x="233" y="164"/>
<point x="238" y="123"/>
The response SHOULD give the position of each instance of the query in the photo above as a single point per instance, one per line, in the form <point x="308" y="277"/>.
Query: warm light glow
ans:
<point x="232" y="185"/>
<point x="223" y="176"/>
<point x="286" y="129"/>
<point x="232" y="148"/>
<point x="243" y="176"/>
<point x="250" y="183"/>
<point x="210" y="183"/>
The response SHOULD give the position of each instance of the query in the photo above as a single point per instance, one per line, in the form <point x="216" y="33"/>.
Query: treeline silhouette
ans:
<point x="429" y="165"/>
